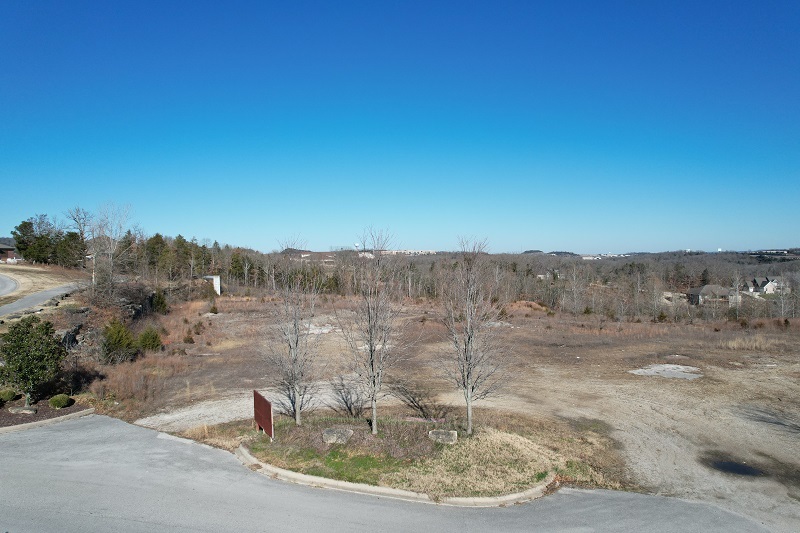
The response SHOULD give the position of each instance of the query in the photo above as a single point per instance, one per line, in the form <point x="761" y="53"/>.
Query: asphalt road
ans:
<point x="7" y="285"/>
<point x="100" y="474"/>
<point x="32" y="300"/>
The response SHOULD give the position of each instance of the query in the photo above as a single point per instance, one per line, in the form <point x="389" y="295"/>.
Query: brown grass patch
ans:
<point x="225" y="436"/>
<point x="140" y="380"/>
<point x="757" y="343"/>
<point x="490" y="463"/>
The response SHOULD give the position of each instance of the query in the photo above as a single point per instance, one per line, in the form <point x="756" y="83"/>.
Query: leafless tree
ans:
<point x="348" y="397"/>
<point x="292" y="352"/>
<point x="736" y="286"/>
<point x="471" y="310"/>
<point x="418" y="397"/>
<point x="106" y="231"/>
<point x="80" y="221"/>
<point x="371" y="331"/>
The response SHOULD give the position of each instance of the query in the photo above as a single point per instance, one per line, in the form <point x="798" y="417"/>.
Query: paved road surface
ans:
<point x="38" y="298"/>
<point x="7" y="285"/>
<point x="101" y="474"/>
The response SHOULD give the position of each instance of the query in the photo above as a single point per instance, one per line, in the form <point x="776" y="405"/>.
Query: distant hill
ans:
<point x="293" y="251"/>
<point x="533" y="252"/>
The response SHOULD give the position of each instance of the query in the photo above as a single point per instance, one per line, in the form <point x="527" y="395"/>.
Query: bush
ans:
<point x="118" y="343"/>
<point x="188" y="339"/>
<point x="213" y="309"/>
<point x="150" y="340"/>
<point x="60" y="401"/>
<point x="6" y="395"/>
<point x="160" y="305"/>
<point x="32" y="355"/>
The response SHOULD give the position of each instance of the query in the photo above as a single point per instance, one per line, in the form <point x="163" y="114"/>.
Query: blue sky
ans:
<point x="582" y="126"/>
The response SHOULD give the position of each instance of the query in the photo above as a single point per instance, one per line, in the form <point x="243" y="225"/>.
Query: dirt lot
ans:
<point x="730" y="436"/>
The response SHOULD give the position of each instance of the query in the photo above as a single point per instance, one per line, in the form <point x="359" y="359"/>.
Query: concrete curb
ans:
<point x="40" y="423"/>
<point x="537" y="491"/>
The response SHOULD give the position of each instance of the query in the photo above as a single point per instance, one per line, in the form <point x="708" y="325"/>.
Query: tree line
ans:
<point x="642" y="286"/>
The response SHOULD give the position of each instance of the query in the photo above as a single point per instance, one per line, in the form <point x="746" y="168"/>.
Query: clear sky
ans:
<point x="586" y="126"/>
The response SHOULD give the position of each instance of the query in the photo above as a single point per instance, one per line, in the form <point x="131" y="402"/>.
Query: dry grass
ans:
<point x="750" y="343"/>
<point x="225" y="436"/>
<point x="490" y="463"/>
<point x="140" y="380"/>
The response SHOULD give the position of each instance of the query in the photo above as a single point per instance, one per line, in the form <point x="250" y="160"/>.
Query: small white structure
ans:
<point x="215" y="281"/>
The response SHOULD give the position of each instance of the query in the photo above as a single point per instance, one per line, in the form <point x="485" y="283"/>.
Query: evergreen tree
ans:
<point x="32" y="355"/>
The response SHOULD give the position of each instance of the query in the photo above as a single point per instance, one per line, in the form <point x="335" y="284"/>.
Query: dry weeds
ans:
<point x="755" y="343"/>
<point x="140" y="380"/>
<point x="490" y="463"/>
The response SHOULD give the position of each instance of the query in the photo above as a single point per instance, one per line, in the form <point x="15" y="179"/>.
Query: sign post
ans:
<point x="262" y="410"/>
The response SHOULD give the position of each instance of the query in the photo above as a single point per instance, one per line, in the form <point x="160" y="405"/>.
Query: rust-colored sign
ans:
<point x="263" y="414"/>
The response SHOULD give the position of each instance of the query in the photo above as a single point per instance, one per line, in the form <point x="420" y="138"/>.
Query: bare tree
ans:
<point x="418" y="397"/>
<point x="106" y="231"/>
<point x="81" y="221"/>
<point x="291" y="349"/>
<point x="576" y="286"/>
<point x="736" y="286"/>
<point x="471" y="309"/>
<point x="348" y="397"/>
<point x="371" y="331"/>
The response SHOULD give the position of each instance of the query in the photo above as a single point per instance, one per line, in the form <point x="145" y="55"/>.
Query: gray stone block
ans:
<point x="443" y="436"/>
<point x="336" y="435"/>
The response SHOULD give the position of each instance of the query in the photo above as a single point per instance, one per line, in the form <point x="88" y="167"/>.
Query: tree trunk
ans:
<point x="27" y="399"/>
<point x="374" y="422"/>
<point x="468" y="397"/>
<point x="297" y="420"/>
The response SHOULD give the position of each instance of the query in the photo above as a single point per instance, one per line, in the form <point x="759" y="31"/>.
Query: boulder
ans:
<point x="336" y="435"/>
<point x="443" y="436"/>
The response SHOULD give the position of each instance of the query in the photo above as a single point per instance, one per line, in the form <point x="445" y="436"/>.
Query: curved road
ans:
<point x="101" y="474"/>
<point x="7" y="285"/>
<point x="31" y="300"/>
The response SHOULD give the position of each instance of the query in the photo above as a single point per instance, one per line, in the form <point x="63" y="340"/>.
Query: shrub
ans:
<point x="6" y="395"/>
<point x="188" y="339"/>
<point x="150" y="340"/>
<point x="60" y="401"/>
<point x="213" y="309"/>
<point x="160" y="305"/>
<point x="32" y="355"/>
<point x="118" y="343"/>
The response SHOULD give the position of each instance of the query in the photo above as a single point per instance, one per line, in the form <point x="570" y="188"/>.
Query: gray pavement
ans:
<point x="36" y="299"/>
<point x="100" y="474"/>
<point x="7" y="285"/>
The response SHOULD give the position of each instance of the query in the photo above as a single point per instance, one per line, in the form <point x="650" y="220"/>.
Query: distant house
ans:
<point x="766" y="285"/>
<point x="707" y="294"/>
<point x="7" y="252"/>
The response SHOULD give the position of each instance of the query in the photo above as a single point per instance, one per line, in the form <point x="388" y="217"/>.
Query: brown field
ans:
<point x="674" y="436"/>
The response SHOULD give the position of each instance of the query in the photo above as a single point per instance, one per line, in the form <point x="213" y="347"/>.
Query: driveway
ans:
<point x="100" y="474"/>
<point x="33" y="300"/>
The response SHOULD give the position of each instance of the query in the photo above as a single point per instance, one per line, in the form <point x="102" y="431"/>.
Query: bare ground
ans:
<point x="678" y="437"/>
